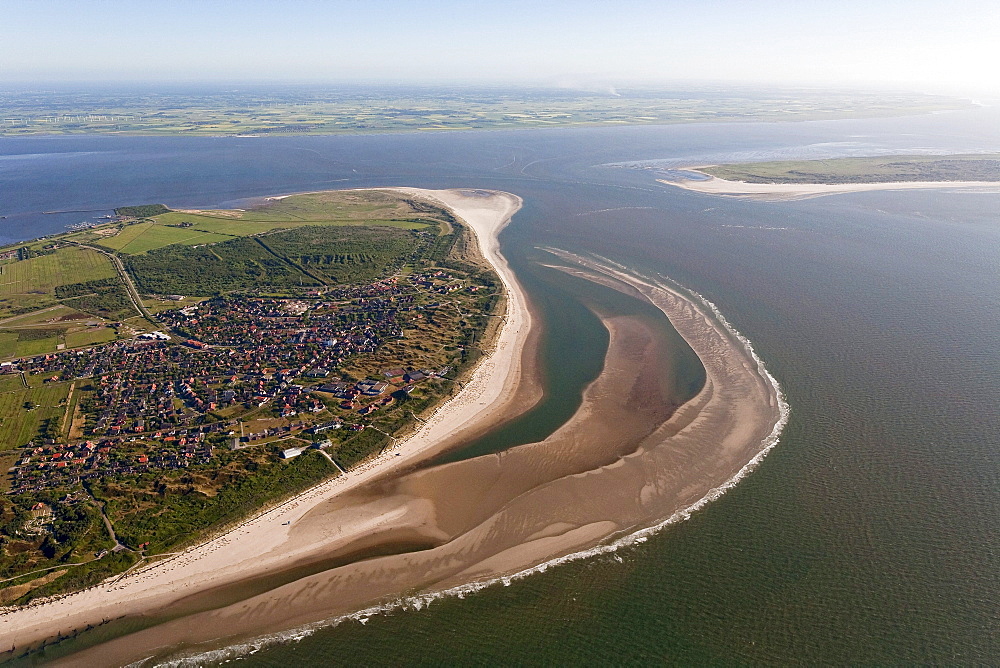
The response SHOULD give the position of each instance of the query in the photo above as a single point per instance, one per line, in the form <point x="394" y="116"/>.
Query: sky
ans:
<point x="935" y="45"/>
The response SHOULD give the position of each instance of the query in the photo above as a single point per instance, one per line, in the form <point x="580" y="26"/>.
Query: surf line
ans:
<point x="649" y="287"/>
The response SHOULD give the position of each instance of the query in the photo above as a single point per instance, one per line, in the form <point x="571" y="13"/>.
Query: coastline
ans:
<point x="623" y="467"/>
<point x="254" y="546"/>
<point x="786" y="192"/>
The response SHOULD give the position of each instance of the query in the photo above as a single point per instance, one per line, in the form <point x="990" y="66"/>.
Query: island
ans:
<point x="802" y="179"/>
<point x="168" y="373"/>
<point x="392" y="527"/>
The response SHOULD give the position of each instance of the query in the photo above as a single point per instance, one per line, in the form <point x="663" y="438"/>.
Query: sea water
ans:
<point x="871" y="533"/>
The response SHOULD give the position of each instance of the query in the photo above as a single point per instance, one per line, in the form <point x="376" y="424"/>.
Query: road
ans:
<point x="126" y="279"/>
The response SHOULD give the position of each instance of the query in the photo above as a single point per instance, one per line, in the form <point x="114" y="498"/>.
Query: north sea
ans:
<point x="870" y="534"/>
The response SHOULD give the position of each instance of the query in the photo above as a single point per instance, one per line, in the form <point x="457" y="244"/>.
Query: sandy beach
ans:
<point x="263" y="543"/>
<point x="626" y="462"/>
<point x="777" y="192"/>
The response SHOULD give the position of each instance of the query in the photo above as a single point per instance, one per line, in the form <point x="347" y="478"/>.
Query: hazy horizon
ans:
<point x="923" y="45"/>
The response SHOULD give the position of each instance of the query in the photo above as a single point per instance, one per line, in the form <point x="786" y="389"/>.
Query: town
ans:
<point x="242" y="371"/>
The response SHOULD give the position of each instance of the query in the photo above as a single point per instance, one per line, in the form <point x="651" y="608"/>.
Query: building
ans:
<point x="326" y="426"/>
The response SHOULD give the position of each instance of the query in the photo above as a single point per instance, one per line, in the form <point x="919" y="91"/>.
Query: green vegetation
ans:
<point x="58" y="531"/>
<point x="37" y="341"/>
<point x="89" y="337"/>
<point x="87" y="574"/>
<point x="141" y="211"/>
<point x="325" y="110"/>
<point x="10" y="383"/>
<point x="143" y="237"/>
<point x="240" y="264"/>
<point x="106" y="298"/>
<point x="126" y="235"/>
<point x="299" y="241"/>
<point x="25" y="411"/>
<point x="21" y="342"/>
<point x="166" y="510"/>
<point x="343" y="255"/>
<point x="189" y="228"/>
<point x="886" y="169"/>
<point x="29" y="285"/>
<point x="43" y="310"/>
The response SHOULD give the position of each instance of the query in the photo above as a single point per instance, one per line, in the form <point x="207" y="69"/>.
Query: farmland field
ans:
<point x="10" y="382"/>
<point x="13" y="343"/>
<point x="40" y="346"/>
<point x="43" y="331"/>
<point x="41" y="274"/>
<point x="127" y="235"/>
<point x="143" y="237"/>
<point x="306" y="109"/>
<point x="8" y="345"/>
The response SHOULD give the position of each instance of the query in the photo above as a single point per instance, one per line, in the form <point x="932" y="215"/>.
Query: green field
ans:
<point x="11" y="305"/>
<point x="10" y="382"/>
<point x="29" y="285"/>
<point x="29" y="341"/>
<point x="45" y="330"/>
<point x="127" y="235"/>
<point x="19" y="425"/>
<point x="211" y="227"/>
<point x="142" y="237"/>
<point x="40" y="346"/>
<point x="8" y="344"/>
<point x="885" y="169"/>
<point x="90" y="336"/>
<point x="41" y="274"/>
<point x="307" y="256"/>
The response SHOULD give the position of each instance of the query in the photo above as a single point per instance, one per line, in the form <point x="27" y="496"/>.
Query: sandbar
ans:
<point x="778" y="192"/>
